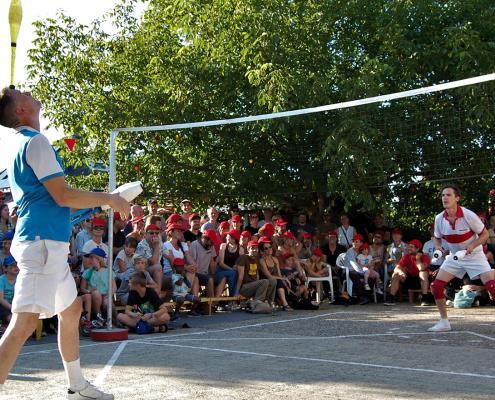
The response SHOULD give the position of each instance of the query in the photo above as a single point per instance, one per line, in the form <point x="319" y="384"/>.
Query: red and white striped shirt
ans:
<point x="462" y="232"/>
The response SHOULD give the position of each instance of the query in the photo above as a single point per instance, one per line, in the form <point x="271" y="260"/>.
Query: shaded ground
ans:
<point x="369" y="352"/>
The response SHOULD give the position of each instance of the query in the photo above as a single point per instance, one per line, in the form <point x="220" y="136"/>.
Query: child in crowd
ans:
<point x="143" y="304"/>
<point x="365" y="261"/>
<point x="124" y="259"/>
<point x="95" y="281"/>
<point x="86" y="303"/>
<point x="139" y="263"/>
<point x="182" y="290"/>
<point x="5" y="250"/>
<point x="395" y="250"/>
<point x="292" y="269"/>
<point x="315" y="267"/>
<point x="7" y="284"/>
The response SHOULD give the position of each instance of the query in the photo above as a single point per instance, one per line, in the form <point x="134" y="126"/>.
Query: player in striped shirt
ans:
<point x="460" y="229"/>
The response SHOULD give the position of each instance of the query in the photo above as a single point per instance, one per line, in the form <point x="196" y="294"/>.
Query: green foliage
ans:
<point x="210" y="59"/>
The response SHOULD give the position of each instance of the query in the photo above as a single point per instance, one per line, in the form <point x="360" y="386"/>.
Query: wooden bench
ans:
<point x="413" y="295"/>
<point x="212" y="300"/>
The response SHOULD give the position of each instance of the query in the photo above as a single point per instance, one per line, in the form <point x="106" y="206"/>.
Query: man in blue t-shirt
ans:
<point x="44" y="286"/>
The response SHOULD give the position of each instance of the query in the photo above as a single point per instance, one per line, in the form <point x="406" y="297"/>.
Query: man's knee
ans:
<point x="438" y="289"/>
<point x="25" y="324"/>
<point x="264" y="283"/>
<point x="73" y="311"/>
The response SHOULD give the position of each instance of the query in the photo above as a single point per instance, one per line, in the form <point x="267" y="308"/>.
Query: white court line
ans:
<point x="357" y="364"/>
<point x="203" y="332"/>
<point x="481" y="336"/>
<point x="356" y="336"/>
<point x="104" y="372"/>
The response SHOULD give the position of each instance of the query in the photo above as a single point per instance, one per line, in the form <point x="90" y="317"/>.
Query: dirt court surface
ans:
<point x="370" y="352"/>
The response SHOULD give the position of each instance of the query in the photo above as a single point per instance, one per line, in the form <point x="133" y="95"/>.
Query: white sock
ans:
<point x="74" y="375"/>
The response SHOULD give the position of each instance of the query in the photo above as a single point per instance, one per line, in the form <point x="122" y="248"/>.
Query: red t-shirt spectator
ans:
<point x="408" y="262"/>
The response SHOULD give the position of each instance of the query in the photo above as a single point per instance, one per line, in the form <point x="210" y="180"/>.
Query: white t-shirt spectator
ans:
<point x="346" y="235"/>
<point x="364" y="261"/>
<point x="91" y="244"/>
<point x="127" y="260"/>
<point x="169" y="249"/>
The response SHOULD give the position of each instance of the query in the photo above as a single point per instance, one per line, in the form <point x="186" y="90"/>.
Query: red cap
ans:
<point x="364" y="246"/>
<point x="396" y="231"/>
<point x="252" y="243"/>
<point x="224" y="225"/>
<point x="246" y="234"/>
<point x="135" y="220"/>
<point x="416" y="243"/>
<point x="281" y="222"/>
<point x="307" y="236"/>
<point x="179" y="262"/>
<point x="358" y="236"/>
<point x="152" y="227"/>
<point x="173" y="218"/>
<point x="287" y="255"/>
<point x="268" y="227"/>
<point x="289" y="235"/>
<point x="236" y="218"/>
<point x="116" y="216"/>
<point x="210" y="234"/>
<point x="172" y="227"/>
<point x="194" y="216"/>
<point x="317" y="252"/>
<point x="333" y="233"/>
<point x="264" y="239"/>
<point x="98" y="222"/>
<point x="235" y="234"/>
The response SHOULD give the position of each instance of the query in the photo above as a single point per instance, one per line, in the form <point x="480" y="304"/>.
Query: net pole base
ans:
<point x="109" y="335"/>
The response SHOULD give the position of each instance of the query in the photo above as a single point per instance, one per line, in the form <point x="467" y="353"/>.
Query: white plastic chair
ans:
<point x="340" y="262"/>
<point x="328" y="279"/>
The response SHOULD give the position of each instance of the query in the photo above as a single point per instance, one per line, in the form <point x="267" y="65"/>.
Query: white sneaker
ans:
<point x="367" y="287"/>
<point x="441" y="326"/>
<point x="89" y="392"/>
<point x="379" y="290"/>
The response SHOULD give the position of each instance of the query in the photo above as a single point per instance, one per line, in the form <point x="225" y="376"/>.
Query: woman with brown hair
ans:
<point x="270" y="268"/>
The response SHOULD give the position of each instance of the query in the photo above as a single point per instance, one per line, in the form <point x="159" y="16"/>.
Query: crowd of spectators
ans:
<point x="162" y="260"/>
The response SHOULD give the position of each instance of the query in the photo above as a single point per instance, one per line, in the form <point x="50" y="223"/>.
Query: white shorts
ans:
<point x="473" y="264"/>
<point x="45" y="284"/>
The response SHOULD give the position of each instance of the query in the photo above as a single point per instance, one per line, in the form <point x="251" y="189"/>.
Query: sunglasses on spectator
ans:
<point x="98" y="228"/>
<point x="268" y="247"/>
<point x="154" y="232"/>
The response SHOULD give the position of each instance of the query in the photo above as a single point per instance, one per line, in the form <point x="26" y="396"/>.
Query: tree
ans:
<point x="210" y="59"/>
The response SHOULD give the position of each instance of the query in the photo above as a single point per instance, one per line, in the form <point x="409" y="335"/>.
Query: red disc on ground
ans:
<point x="109" y="335"/>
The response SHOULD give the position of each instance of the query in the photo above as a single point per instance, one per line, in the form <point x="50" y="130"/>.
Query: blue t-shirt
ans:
<point x="97" y="279"/>
<point x="39" y="215"/>
<point x="7" y="288"/>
